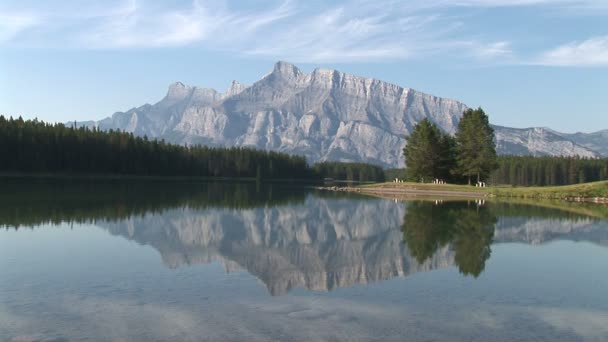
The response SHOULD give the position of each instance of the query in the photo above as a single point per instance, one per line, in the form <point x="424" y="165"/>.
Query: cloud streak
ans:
<point x="13" y="24"/>
<point x="590" y="52"/>
<point x="351" y="31"/>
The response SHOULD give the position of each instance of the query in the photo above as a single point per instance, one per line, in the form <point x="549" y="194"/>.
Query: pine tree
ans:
<point x="475" y="145"/>
<point x="423" y="152"/>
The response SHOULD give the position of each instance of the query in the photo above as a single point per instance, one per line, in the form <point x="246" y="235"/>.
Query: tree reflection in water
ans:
<point x="467" y="226"/>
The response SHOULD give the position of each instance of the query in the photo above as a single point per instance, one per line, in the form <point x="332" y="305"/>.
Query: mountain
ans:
<point x="597" y="141"/>
<point x="539" y="141"/>
<point x="323" y="115"/>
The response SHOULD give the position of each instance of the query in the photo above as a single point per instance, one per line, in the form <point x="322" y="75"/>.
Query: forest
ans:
<point x="471" y="154"/>
<point x="358" y="172"/>
<point x="543" y="171"/>
<point x="36" y="147"/>
<point x="32" y="146"/>
<point x="538" y="171"/>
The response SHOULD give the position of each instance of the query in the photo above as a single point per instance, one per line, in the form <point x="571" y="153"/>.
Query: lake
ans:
<point x="172" y="261"/>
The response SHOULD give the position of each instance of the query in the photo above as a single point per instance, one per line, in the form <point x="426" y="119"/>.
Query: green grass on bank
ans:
<point x="584" y="190"/>
<point x="425" y="187"/>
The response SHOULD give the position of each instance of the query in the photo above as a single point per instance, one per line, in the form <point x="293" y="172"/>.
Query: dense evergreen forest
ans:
<point x="358" y="172"/>
<point x="538" y="171"/>
<point x="32" y="146"/>
<point x="391" y="174"/>
<point x="542" y="171"/>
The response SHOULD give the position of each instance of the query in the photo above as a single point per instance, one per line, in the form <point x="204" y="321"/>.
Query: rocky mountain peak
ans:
<point x="324" y="115"/>
<point x="178" y="91"/>
<point x="286" y="71"/>
<point x="325" y="76"/>
<point x="235" y="88"/>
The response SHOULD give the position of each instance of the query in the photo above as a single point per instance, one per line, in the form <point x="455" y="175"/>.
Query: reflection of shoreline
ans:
<point x="322" y="244"/>
<point x="583" y="208"/>
<point x="578" y="193"/>
<point x="82" y="201"/>
<point x="408" y="193"/>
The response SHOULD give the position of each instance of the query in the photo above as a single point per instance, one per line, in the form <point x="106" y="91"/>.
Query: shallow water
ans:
<point x="145" y="261"/>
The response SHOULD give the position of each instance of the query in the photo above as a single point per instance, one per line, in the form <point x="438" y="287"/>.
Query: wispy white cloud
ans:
<point x="512" y="3"/>
<point x="199" y="23"/>
<point x="352" y="30"/>
<point x="590" y="52"/>
<point x="11" y="25"/>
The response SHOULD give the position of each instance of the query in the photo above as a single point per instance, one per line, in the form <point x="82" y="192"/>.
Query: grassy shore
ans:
<point x="579" y="208"/>
<point x="582" y="191"/>
<point x="585" y="191"/>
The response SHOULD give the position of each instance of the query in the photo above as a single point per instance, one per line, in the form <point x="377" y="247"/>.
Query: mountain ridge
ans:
<point x="324" y="115"/>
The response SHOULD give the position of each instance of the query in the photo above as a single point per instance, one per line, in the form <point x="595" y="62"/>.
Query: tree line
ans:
<point x="359" y="172"/>
<point x="543" y="171"/>
<point x="471" y="154"/>
<point x="29" y="202"/>
<point x="33" y="146"/>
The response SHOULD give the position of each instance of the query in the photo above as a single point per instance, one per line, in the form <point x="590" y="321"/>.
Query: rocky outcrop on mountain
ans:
<point x="538" y="141"/>
<point x="321" y="244"/>
<point x="323" y="115"/>
<point x="596" y="141"/>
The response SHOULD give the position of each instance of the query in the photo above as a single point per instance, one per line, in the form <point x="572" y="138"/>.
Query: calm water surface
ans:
<point x="124" y="261"/>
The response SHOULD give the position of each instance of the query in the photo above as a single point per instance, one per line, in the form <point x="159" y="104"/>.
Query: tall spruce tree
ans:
<point x="428" y="153"/>
<point x="476" y="147"/>
<point x="448" y="152"/>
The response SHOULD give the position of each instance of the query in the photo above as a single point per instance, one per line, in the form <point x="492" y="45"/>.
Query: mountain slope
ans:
<point x="323" y="115"/>
<point x="596" y="141"/>
<point x="538" y="141"/>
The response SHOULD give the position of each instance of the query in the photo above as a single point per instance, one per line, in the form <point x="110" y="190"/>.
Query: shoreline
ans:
<point x="595" y="192"/>
<point x="568" y="193"/>
<point x="406" y="192"/>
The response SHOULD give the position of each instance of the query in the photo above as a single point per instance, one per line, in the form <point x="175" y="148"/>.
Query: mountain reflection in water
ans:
<point x="290" y="237"/>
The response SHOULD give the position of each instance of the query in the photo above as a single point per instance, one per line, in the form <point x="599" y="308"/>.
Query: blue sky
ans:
<point x="526" y="62"/>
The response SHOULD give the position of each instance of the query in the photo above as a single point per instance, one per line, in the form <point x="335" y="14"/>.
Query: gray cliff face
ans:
<point x="539" y="141"/>
<point x="323" y="115"/>
<point x="597" y="141"/>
